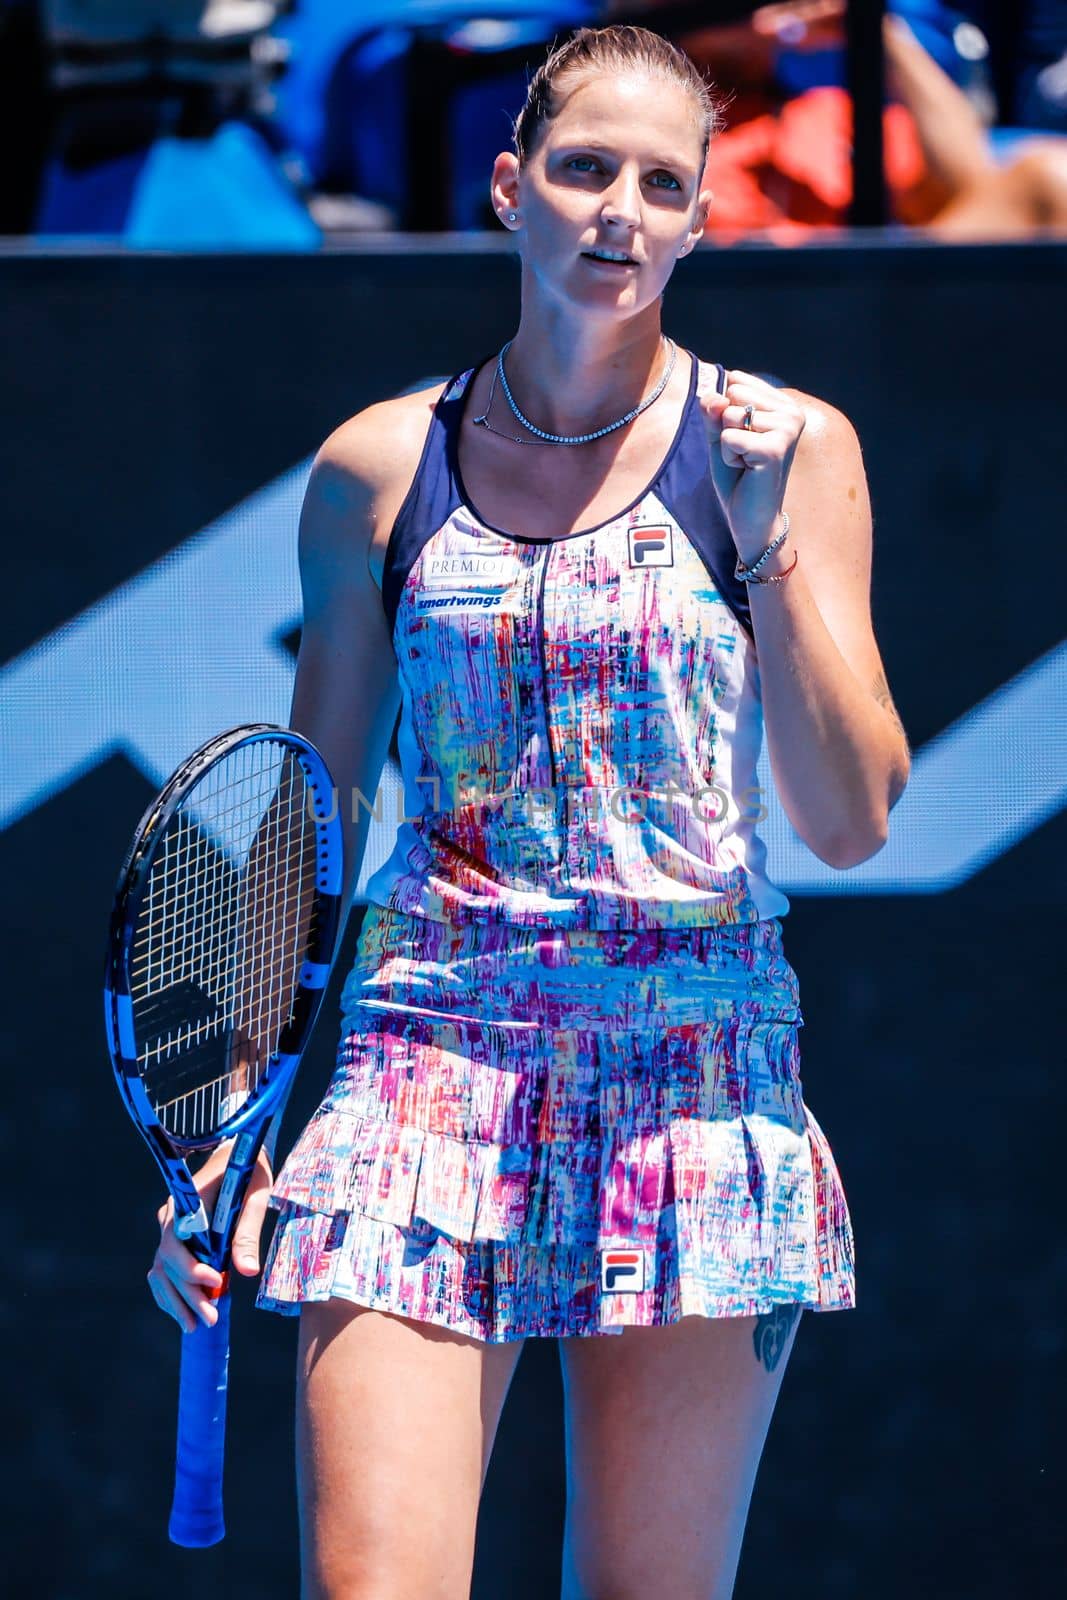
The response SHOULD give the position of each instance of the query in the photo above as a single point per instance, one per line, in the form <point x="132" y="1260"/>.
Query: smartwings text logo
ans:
<point x="150" y="672"/>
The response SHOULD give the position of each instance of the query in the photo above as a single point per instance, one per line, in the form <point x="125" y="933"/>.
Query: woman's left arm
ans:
<point x="836" y="745"/>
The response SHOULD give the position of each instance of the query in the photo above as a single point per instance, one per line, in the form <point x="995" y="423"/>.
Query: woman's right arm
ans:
<point x="345" y="700"/>
<point x="346" y="695"/>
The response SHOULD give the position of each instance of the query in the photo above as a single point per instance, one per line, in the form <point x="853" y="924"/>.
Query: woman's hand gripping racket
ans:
<point x="223" y="933"/>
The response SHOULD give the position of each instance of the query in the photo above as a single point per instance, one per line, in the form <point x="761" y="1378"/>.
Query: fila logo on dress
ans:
<point x="622" y="1271"/>
<point x="651" y="545"/>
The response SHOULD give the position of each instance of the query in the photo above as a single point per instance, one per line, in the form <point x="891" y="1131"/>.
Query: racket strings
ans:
<point x="196" y="916"/>
<point x="226" y="921"/>
<point x="185" y="844"/>
<point x="196" y="946"/>
<point x="252" y="1029"/>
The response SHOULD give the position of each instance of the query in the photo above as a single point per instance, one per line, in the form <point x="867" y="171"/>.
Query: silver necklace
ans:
<point x="562" y="438"/>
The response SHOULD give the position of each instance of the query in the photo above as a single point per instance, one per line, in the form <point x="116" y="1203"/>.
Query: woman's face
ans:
<point x="619" y="168"/>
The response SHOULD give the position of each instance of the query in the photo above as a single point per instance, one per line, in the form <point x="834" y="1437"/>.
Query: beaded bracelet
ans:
<point x="778" y="575"/>
<point x="748" y="574"/>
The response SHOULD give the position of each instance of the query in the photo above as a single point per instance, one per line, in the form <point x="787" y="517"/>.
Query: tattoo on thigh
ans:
<point x="880" y="691"/>
<point x="771" y="1334"/>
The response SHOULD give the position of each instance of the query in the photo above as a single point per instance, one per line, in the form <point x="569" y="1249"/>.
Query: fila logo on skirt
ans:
<point x="622" y="1270"/>
<point x="651" y="546"/>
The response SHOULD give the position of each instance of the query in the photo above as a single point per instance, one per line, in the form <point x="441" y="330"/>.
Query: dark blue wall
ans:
<point x="917" y="1447"/>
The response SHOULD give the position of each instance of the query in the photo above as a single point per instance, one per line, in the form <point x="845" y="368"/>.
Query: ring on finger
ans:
<point x="746" y="420"/>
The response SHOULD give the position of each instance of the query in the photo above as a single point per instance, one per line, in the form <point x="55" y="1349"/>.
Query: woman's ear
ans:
<point x="696" y="232"/>
<point x="504" y="186"/>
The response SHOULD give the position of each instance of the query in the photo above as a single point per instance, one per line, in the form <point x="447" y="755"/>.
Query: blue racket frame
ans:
<point x="196" y="1518"/>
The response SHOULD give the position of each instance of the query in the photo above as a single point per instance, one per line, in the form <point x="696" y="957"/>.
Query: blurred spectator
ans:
<point x="263" y="122"/>
<point x="784" y="169"/>
<point x="1023" y="43"/>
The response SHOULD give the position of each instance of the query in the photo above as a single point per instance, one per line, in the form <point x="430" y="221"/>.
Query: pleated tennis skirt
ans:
<point x="563" y="1132"/>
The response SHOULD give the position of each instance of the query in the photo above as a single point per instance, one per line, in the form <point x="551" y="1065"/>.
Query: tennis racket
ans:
<point x="223" y="933"/>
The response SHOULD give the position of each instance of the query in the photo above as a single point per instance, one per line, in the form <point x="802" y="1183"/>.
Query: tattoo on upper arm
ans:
<point x="771" y="1334"/>
<point x="880" y="691"/>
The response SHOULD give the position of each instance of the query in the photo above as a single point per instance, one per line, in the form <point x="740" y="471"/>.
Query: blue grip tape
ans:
<point x="196" y="1511"/>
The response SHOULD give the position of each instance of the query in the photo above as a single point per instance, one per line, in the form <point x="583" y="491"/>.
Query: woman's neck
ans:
<point x="576" y="382"/>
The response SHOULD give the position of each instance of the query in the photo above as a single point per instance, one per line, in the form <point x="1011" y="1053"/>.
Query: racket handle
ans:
<point x="196" y="1511"/>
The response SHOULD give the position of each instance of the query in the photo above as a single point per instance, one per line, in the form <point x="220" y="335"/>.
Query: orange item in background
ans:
<point x="789" y="172"/>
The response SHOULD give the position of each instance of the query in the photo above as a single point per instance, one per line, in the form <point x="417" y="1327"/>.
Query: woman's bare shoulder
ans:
<point x="380" y="445"/>
<point x="820" y="414"/>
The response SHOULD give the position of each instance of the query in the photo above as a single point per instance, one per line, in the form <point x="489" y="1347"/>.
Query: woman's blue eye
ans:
<point x="589" y="164"/>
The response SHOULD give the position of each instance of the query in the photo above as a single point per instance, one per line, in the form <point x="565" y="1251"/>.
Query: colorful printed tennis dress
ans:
<point x="567" y="1096"/>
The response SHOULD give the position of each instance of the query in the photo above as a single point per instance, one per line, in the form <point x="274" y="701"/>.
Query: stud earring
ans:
<point x="512" y="216"/>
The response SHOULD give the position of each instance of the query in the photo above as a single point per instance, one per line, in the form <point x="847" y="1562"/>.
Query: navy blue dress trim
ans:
<point x="684" y="486"/>
<point x="431" y="499"/>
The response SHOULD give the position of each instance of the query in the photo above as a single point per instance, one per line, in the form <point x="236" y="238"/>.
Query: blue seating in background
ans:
<point x="225" y="191"/>
<point x="414" y="113"/>
<point x="161" y="133"/>
<point x="319" y="32"/>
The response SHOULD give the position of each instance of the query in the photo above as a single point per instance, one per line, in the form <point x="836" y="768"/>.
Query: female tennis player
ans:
<point x="567" y="1098"/>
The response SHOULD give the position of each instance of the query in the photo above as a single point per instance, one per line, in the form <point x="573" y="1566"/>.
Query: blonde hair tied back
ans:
<point x="617" y="49"/>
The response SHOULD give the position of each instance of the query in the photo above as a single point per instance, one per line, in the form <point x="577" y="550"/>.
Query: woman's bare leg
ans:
<point x="395" y="1426"/>
<point x="665" y="1429"/>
